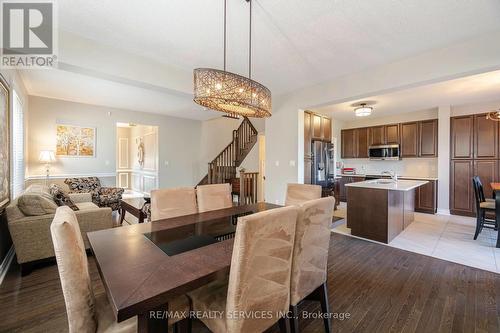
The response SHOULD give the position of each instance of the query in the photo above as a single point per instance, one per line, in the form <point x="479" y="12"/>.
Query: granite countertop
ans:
<point x="378" y="175"/>
<point x="389" y="184"/>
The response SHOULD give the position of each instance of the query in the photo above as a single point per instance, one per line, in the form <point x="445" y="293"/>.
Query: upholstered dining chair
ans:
<point x="173" y="202"/>
<point x="483" y="205"/>
<point x="215" y="196"/>
<point x="87" y="313"/>
<point x="299" y="193"/>
<point x="259" y="278"/>
<point x="310" y="257"/>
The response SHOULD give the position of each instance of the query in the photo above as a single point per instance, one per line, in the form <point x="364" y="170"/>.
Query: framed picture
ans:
<point x="4" y="143"/>
<point x="75" y="141"/>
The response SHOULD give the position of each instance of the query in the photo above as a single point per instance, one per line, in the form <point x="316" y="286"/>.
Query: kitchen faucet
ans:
<point x="392" y="174"/>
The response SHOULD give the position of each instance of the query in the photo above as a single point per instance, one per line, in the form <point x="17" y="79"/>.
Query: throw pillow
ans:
<point x="61" y="198"/>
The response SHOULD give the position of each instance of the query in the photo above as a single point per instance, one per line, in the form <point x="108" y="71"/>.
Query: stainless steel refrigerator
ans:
<point x="322" y="163"/>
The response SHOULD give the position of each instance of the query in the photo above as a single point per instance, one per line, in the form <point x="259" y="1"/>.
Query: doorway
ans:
<point x="137" y="156"/>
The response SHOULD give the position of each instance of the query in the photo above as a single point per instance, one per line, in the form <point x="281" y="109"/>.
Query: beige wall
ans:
<point x="178" y="140"/>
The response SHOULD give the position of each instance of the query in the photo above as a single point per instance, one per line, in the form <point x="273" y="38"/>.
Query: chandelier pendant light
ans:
<point x="231" y="93"/>
<point x="362" y="110"/>
<point x="494" y="115"/>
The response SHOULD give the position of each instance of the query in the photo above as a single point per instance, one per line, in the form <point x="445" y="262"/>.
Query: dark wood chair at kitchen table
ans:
<point x="483" y="205"/>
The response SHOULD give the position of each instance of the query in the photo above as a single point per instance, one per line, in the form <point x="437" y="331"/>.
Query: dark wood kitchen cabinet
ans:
<point x="321" y="127"/>
<point x="428" y="138"/>
<point x="377" y="135"/>
<point x="347" y="180"/>
<point x="362" y="143"/>
<point x="348" y="143"/>
<point x="409" y="139"/>
<point x="327" y="128"/>
<point x="485" y="138"/>
<point x="487" y="170"/>
<point x="462" y="137"/>
<point x="391" y="134"/>
<point x="461" y="191"/>
<point x="426" y="198"/>
<point x="317" y="126"/>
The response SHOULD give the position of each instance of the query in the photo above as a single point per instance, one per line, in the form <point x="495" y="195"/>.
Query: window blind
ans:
<point x="17" y="145"/>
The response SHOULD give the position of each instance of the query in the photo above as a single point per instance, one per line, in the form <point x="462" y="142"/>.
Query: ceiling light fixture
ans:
<point x="494" y="115"/>
<point x="231" y="93"/>
<point x="362" y="110"/>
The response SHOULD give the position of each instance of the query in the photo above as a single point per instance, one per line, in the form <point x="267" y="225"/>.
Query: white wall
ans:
<point x="397" y="118"/>
<point x="216" y="134"/>
<point x="178" y="140"/>
<point x="478" y="55"/>
<point x="460" y="110"/>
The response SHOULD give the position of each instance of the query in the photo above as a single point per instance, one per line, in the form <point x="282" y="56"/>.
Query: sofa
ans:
<point x="30" y="215"/>
<point x="101" y="196"/>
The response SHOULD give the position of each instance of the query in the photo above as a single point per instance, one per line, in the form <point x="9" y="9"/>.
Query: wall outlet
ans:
<point x="166" y="163"/>
<point x="277" y="163"/>
<point x="292" y="163"/>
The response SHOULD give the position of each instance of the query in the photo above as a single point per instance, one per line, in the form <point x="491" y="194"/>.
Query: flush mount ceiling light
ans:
<point x="494" y="115"/>
<point x="362" y="110"/>
<point x="231" y="93"/>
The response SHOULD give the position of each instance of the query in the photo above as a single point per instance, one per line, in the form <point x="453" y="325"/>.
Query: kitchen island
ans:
<point x="381" y="209"/>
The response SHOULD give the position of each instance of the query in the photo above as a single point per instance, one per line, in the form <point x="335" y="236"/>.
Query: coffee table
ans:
<point x="132" y="206"/>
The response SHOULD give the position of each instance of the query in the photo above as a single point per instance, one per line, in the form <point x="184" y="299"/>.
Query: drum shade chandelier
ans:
<point x="231" y="93"/>
<point x="494" y="115"/>
<point x="363" y="110"/>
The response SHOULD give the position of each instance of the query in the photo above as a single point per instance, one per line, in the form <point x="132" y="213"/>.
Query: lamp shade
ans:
<point x="47" y="156"/>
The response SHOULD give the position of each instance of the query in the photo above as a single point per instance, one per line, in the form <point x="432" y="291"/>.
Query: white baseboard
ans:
<point x="4" y="267"/>
<point x="443" y="212"/>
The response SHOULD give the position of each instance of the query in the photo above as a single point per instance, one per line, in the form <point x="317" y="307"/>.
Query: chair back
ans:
<point x="312" y="242"/>
<point x="215" y="196"/>
<point x="300" y="193"/>
<point x="73" y="271"/>
<point x="259" y="279"/>
<point x="482" y="197"/>
<point x="476" y="184"/>
<point x="172" y="202"/>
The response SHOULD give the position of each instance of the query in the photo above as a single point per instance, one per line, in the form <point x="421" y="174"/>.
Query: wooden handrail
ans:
<point x="223" y="166"/>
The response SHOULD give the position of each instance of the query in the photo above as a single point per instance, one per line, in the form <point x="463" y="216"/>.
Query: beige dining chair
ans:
<point x="173" y="202"/>
<point x="259" y="278"/>
<point x="212" y="197"/>
<point x="87" y="313"/>
<point x="300" y="193"/>
<point x="310" y="257"/>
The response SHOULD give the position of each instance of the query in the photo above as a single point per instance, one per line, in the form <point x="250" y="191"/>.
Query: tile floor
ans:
<point x="444" y="237"/>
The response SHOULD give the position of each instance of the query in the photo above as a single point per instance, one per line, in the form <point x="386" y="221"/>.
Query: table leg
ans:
<point x="122" y="215"/>
<point x="154" y="321"/>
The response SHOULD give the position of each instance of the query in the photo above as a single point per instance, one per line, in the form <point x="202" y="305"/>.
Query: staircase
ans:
<point x="223" y="168"/>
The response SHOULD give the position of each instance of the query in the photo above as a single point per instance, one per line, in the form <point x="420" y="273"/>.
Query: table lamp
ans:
<point x="47" y="157"/>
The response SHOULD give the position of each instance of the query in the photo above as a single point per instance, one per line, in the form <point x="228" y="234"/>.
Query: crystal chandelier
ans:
<point x="231" y="93"/>
<point x="362" y="110"/>
<point x="494" y="115"/>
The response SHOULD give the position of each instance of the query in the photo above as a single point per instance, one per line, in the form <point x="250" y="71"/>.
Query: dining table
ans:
<point x="144" y="266"/>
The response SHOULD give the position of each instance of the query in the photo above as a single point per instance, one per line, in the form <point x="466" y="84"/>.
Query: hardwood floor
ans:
<point x="382" y="288"/>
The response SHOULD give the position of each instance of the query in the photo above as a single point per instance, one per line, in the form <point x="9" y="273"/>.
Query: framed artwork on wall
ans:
<point x="4" y="143"/>
<point x="75" y="141"/>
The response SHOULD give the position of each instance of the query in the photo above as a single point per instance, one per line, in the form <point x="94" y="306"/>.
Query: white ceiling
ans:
<point x="468" y="90"/>
<point x="297" y="43"/>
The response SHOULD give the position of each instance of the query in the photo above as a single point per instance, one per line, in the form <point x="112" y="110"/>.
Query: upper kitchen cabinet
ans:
<point x="485" y="138"/>
<point x="362" y="143"/>
<point x="349" y="144"/>
<point x="409" y="139"/>
<point x="391" y="134"/>
<point x="376" y="135"/>
<point x="462" y="137"/>
<point x="428" y="138"/>
<point x="307" y="134"/>
<point x="321" y="127"/>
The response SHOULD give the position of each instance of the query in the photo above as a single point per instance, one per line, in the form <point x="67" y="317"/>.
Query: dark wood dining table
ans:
<point x="143" y="266"/>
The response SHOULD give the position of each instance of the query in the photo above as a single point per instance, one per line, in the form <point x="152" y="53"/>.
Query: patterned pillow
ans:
<point x="61" y="198"/>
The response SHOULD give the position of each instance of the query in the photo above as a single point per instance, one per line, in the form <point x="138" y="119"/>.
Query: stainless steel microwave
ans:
<point x="384" y="152"/>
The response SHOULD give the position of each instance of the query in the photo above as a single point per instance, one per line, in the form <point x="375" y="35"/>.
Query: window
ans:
<point x="17" y="145"/>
